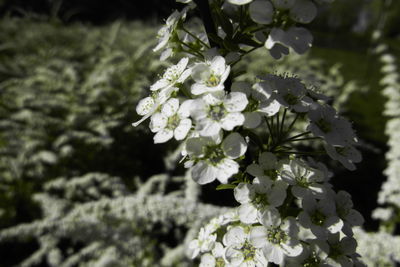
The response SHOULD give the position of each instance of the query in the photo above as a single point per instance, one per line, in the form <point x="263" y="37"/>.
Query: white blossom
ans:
<point x="173" y="76"/>
<point x="325" y="122"/>
<point x="171" y="121"/>
<point x="305" y="181"/>
<point x="212" y="114"/>
<point x="209" y="76"/>
<point x="213" y="160"/>
<point x="260" y="102"/>
<point x="276" y="237"/>
<point x="261" y="11"/>
<point x="347" y="155"/>
<point x="320" y="217"/>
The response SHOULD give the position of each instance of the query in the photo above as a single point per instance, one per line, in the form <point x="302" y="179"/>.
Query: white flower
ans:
<point x="174" y="75"/>
<point x="325" y="122"/>
<point x="239" y="2"/>
<point x="260" y="102"/>
<point x="204" y="243"/>
<point x="261" y="11"/>
<point x="166" y="32"/>
<point x="304" y="180"/>
<point x="289" y="92"/>
<point x="213" y="160"/>
<point x="216" y="258"/>
<point x="239" y="251"/>
<point x="213" y="114"/>
<point x="275" y="237"/>
<point x="344" y="209"/>
<point x="149" y="105"/>
<point x="347" y="155"/>
<point x="209" y="76"/>
<point x="279" y="41"/>
<point x="320" y="217"/>
<point x="172" y="121"/>
<point x="258" y="196"/>
<point x="314" y="254"/>
<point x="339" y="250"/>
<point x="266" y="167"/>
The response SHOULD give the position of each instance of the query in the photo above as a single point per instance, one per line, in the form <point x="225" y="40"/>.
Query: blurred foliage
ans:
<point x="68" y="96"/>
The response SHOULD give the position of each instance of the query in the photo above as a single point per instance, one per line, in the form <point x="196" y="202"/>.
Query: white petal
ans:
<point x="268" y="161"/>
<point x="252" y="120"/>
<point x="261" y="11"/>
<point x="226" y="169"/>
<point x="283" y="4"/>
<point x="243" y="193"/>
<point x="334" y="224"/>
<point x="255" y="170"/>
<point x="184" y="109"/>
<point x="218" y="65"/>
<point x="233" y="256"/>
<point x="170" y="107"/>
<point x="235" y="101"/>
<point x="239" y="2"/>
<point x="292" y="250"/>
<point x="162" y="83"/>
<point x="208" y="127"/>
<point x="354" y="218"/>
<point x="234" y="145"/>
<point x="234" y="236"/>
<point x="273" y="253"/>
<point x="195" y="146"/>
<point x="163" y="136"/>
<point x="270" y="218"/>
<point x="231" y="120"/>
<point x="247" y="213"/>
<point x="200" y="72"/>
<point x="203" y="173"/>
<point x="183" y="128"/>
<point x="157" y="122"/>
<point x="270" y="108"/>
<point x="258" y="236"/>
<point x="199" y="88"/>
<point x="145" y="106"/>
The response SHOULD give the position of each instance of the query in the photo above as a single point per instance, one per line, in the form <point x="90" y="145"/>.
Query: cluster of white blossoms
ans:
<point x="245" y="136"/>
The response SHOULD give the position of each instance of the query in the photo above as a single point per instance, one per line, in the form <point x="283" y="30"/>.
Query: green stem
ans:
<point x="296" y="136"/>
<point x="194" y="36"/>
<point x="270" y="130"/>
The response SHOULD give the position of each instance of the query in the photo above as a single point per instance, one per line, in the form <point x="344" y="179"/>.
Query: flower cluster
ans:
<point x="246" y="136"/>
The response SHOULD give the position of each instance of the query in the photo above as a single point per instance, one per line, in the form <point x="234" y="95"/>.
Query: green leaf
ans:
<point x="225" y="186"/>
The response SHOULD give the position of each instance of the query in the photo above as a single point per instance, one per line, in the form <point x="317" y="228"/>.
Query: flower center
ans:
<point x="248" y="251"/>
<point x="341" y="150"/>
<point x="324" y="125"/>
<point x="214" y="154"/>
<point x="219" y="262"/>
<point x="253" y="105"/>
<point x="291" y="99"/>
<point x="173" y="122"/>
<point x="276" y="235"/>
<point x="260" y="200"/>
<point x="303" y="181"/>
<point x="312" y="261"/>
<point x="318" y="218"/>
<point x="213" y="80"/>
<point x="217" y="112"/>
<point x="171" y="74"/>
